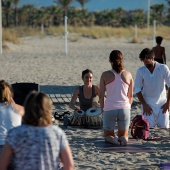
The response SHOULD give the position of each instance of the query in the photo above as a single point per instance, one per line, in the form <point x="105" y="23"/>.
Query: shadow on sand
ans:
<point x="51" y="89"/>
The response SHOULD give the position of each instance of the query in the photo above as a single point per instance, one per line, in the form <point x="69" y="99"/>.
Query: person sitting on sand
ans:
<point x="159" y="51"/>
<point x="37" y="144"/>
<point x="10" y="113"/>
<point x="118" y="85"/>
<point x="86" y="93"/>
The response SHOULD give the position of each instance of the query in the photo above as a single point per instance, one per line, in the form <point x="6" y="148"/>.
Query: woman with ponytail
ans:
<point x="118" y="85"/>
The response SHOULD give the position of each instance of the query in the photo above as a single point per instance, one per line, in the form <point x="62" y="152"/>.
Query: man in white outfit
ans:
<point x="150" y="89"/>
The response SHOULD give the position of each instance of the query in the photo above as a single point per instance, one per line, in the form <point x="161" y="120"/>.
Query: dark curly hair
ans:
<point x="159" y="39"/>
<point x="146" y="53"/>
<point x="85" y="72"/>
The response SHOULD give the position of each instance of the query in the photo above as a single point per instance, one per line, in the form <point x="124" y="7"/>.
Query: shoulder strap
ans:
<point x="93" y="91"/>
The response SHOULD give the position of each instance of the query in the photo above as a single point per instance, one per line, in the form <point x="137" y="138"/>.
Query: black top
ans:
<point x="85" y="104"/>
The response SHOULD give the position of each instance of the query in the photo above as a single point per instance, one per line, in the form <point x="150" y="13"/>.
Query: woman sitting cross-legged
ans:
<point x="88" y="95"/>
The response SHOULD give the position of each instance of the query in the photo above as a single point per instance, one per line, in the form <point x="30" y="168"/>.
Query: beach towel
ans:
<point x="165" y="166"/>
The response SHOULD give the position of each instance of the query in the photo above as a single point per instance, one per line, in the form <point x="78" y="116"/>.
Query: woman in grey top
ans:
<point x="37" y="144"/>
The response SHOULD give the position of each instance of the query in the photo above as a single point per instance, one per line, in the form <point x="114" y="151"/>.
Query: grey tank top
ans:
<point x="86" y="103"/>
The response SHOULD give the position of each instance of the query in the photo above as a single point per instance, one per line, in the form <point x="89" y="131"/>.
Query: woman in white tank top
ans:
<point x="118" y="85"/>
<point x="10" y="112"/>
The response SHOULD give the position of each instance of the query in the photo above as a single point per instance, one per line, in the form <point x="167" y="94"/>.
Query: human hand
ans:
<point x="147" y="110"/>
<point x="77" y="108"/>
<point x="165" y="107"/>
<point x="95" y="104"/>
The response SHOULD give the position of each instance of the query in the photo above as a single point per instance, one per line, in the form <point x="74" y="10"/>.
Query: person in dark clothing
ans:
<point x="159" y="51"/>
<point x="87" y="93"/>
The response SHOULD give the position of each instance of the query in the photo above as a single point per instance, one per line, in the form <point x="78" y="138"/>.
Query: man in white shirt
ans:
<point x="150" y="89"/>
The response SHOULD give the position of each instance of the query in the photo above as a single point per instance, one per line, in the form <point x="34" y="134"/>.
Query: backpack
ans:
<point x="140" y="127"/>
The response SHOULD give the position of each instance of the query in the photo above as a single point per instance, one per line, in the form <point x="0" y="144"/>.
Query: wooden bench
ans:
<point x="60" y="98"/>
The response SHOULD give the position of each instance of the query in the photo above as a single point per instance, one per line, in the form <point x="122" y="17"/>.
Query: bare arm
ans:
<point x="73" y="100"/>
<point x="67" y="159"/>
<point x="20" y="109"/>
<point x="130" y="91"/>
<point x="164" y="55"/>
<point x="146" y="108"/>
<point x="165" y="107"/>
<point x="96" y="99"/>
<point x="5" y="156"/>
<point x="97" y="90"/>
<point x="102" y="92"/>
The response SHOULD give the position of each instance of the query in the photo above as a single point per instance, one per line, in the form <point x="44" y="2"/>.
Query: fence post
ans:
<point x="66" y="33"/>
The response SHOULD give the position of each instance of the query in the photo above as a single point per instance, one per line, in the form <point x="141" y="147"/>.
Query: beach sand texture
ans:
<point x="42" y="60"/>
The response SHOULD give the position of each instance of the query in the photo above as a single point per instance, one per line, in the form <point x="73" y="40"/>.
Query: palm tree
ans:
<point x="6" y="5"/>
<point x="64" y="4"/>
<point x="158" y="12"/>
<point x="82" y="2"/>
<point x="15" y="2"/>
<point x="27" y="15"/>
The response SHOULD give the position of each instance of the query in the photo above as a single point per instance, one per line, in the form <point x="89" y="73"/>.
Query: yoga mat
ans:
<point x="165" y="166"/>
<point x="133" y="146"/>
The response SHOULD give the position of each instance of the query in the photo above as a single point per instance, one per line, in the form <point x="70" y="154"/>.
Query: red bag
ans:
<point x="140" y="127"/>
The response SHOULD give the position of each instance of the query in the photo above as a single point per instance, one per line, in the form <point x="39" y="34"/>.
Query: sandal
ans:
<point x="61" y="116"/>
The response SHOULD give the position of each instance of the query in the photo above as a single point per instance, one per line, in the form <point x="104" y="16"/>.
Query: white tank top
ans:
<point x="116" y="97"/>
<point x="9" y="119"/>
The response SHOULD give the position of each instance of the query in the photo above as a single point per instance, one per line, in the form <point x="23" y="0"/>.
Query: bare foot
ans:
<point x="112" y="140"/>
<point x="123" y="141"/>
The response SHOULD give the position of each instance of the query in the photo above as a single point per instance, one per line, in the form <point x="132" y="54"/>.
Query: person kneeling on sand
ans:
<point x="118" y="85"/>
<point x="150" y="89"/>
<point x="37" y="144"/>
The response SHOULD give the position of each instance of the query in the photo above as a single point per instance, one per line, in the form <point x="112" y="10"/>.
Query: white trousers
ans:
<point x="157" y="118"/>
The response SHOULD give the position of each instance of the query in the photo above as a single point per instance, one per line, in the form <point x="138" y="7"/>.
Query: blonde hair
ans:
<point x="38" y="109"/>
<point x="5" y="92"/>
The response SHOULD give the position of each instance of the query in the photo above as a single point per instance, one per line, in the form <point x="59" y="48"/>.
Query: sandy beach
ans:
<point x="42" y="60"/>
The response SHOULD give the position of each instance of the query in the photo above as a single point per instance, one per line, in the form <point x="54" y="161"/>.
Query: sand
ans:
<point x="42" y="60"/>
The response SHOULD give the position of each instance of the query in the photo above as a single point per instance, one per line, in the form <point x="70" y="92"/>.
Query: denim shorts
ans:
<point x="121" y="116"/>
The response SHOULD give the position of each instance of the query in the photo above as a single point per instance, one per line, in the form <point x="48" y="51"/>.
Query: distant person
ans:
<point x="10" y="113"/>
<point x="118" y="85"/>
<point x="37" y="144"/>
<point x="150" y="89"/>
<point x="87" y="93"/>
<point x="159" y="51"/>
